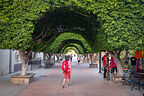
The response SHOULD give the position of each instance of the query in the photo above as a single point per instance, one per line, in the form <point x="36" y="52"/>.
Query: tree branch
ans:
<point x="39" y="35"/>
<point x="82" y="14"/>
<point x="46" y="55"/>
<point x="33" y="56"/>
<point x="28" y="53"/>
<point x="48" y="42"/>
<point x="126" y="55"/>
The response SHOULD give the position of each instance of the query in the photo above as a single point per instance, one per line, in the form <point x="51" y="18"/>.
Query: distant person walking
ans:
<point x="71" y="58"/>
<point x="133" y="63"/>
<point x="105" y="65"/>
<point x="78" y="59"/>
<point x="66" y="67"/>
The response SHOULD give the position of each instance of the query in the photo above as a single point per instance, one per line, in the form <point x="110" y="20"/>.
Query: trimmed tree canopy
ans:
<point x="67" y="36"/>
<point x="78" y="47"/>
<point x="99" y="24"/>
<point x="93" y="25"/>
<point x="17" y="22"/>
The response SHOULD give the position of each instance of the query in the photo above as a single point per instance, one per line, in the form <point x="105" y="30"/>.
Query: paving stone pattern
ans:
<point x="84" y="82"/>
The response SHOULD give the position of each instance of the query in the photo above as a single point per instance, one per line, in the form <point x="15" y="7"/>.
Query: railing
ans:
<point x="35" y="64"/>
<point x="48" y="64"/>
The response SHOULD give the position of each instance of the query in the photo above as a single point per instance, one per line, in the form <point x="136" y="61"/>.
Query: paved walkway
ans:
<point x="84" y="82"/>
<point x="9" y="89"/>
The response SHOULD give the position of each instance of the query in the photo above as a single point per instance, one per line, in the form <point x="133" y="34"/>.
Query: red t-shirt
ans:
<point x="104" y="60"/>
<point x="113" y="64"/>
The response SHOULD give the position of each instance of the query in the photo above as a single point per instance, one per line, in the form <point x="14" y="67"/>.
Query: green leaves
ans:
<point x="99" y="24"/>
<point x="67" y="36"/>
<point x="121" y="25"/>
<point x="16" y="21"/>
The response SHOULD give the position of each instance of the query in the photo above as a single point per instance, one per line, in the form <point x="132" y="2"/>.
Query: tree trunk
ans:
<point x="24" y="57"/>
<point x="54" y="58"/>
<point x="116" y="56"/>
<point x="63" y="56"/>
<point x="44" y="57"/>
<point x="49" y="55"/>
<point x="57" y="58"/>
<point x="84" y="58"/>
<point x="49" y="59"/>
<point x="119" y="66"/>
<point x="87" y="59"/>
<point x="100" y="62"/>
<point x="24" y="68"/>
<point x="91" y="57"/>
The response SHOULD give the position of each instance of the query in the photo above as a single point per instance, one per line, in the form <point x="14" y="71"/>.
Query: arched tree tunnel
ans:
<point x="62" y="20"/>
<point x="77" y="47"/>
<point x="67" y="37"/>
<point x="71" y="26"/>
<point x="68" y="49"/>
<point x="51" y="26"/>
<point x="72" y="42"/>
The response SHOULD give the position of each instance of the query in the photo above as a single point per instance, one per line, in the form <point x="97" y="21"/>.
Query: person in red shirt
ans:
<point x="66" y="67"/>
<point x="105" y="65"/>
<point x="113" y="66"/>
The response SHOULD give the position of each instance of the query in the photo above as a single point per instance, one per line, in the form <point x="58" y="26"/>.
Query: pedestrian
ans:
<point x="113" y="66"/>
<point x="71" y="58"/>
<point x="78" y="59"/>
<point x="133" y="63"/>
<point x="66" y="67"/>
<point x="105" y="65"/>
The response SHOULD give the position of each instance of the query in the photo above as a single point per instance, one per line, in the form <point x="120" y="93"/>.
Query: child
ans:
<point x="66" y="67"/>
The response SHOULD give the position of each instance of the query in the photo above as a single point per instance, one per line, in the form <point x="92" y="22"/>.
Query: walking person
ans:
<point x="78" y="59"/>
<point x="133" y="63"/>
<point x="113" y="66"/>
<point x="105" y="65"/>
<point x="71" y="58"/>
<point x="66" y="67"/>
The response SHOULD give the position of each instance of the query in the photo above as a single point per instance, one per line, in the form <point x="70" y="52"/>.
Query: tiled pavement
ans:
<point x="9" y="89"/>
<point x="84" y="82"/>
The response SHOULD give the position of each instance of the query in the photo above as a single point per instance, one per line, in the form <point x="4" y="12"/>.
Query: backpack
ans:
<point x="65" y="66"/>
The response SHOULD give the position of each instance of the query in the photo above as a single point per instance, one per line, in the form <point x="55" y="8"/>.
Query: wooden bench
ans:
<point x="134" y="83"/>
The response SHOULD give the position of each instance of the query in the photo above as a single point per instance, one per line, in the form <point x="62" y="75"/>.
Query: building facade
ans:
<point x="10" y="61"/>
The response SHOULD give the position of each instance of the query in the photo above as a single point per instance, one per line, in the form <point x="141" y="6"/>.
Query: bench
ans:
<point x="134" y="83"/>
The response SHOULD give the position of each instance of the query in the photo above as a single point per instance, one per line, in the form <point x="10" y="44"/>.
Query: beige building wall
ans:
<point x="39" y="55"/>
<point x="4" y="61"/>
<point x="10" y="59"/>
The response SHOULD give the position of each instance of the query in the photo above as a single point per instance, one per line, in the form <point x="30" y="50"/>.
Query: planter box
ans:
<point x="93" y="65"/>
<point x="18" y="79"/>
